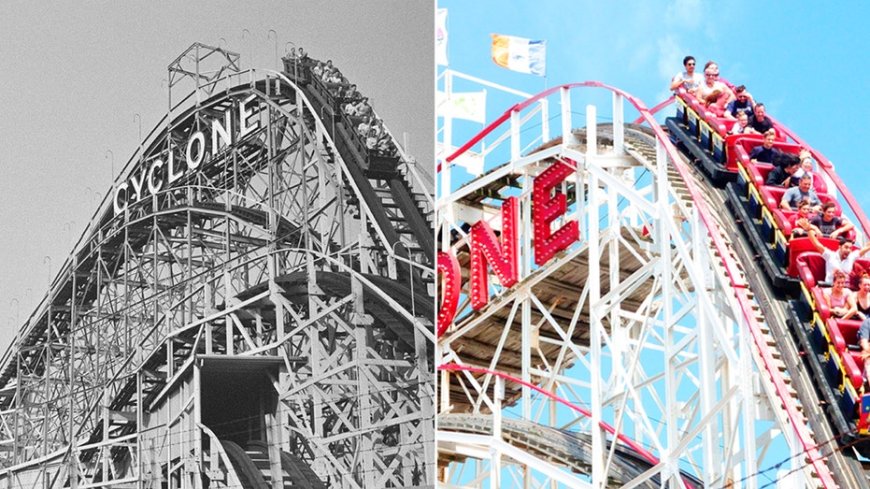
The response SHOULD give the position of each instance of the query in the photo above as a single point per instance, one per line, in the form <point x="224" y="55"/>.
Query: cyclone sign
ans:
<point x="239" y="120"/>
<point x="548" y="204"/>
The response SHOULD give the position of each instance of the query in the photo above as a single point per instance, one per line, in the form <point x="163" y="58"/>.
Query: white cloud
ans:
<point x="685" y="13"/>
<point x="670" y="57"/>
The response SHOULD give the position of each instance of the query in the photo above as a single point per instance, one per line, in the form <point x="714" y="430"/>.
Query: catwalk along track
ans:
<point x="249" y="307"/>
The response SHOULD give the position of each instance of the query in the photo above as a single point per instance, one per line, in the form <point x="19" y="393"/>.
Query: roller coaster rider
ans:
<point x="743" y="104"/>
<point x="793" y="196"/>
<point x="689" y="79"/>
<point x="843" y="259"/>
<point x="841" y="301"/>
<point x="765" y="153"/>
<point x="759" y="120"/>
<point x="829" y="224"/>
<point x="714" y="94"/>
<point x="742" y="125"/>
<point x="781" y="175"/>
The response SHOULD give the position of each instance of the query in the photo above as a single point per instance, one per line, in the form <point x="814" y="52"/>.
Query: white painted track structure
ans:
<point x="636" y="357"/>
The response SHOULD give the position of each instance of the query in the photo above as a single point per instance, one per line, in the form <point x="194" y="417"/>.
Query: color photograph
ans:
<point x="651" y="245"/>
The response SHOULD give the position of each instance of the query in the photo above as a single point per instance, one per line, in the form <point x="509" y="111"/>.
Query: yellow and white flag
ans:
<point x="470" y="106"/>
<point x="519" y="54"/>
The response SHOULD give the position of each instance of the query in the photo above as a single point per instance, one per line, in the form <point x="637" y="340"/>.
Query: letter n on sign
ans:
<point x="486" y="249"/>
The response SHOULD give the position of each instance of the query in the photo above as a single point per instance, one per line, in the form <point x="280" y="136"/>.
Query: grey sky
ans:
<point x="75" y="73"/>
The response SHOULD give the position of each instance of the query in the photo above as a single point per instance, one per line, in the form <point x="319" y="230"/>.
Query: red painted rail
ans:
<point x="639" y="449"/>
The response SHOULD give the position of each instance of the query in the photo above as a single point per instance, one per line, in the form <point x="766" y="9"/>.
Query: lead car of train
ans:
<point x="795" y="269"/>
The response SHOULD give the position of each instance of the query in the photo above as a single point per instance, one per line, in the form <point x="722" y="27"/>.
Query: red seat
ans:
<point x="845" y="329"/>
<point x="783" y="220"/>
<point x="821" y="303"/>
<point x="809" y="265"/>
<point x="758" y="171"/>
<point x="852" y="364"/>
<point x="819" y="184"/>
<point x="844" y="332"/>
<point x="722" y="125"/>
<point x="752" y="141"/>
<point x="736" y="149"/>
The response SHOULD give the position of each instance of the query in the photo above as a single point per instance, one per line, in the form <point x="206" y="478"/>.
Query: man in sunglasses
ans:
<point x="689" y="79"/>
<point x="742" y="104"/>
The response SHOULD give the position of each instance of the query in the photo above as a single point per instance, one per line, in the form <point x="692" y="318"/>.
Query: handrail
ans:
<point x="706" y="216"/>
<point x="639" y="449"/>
<point x="661" y="105"/>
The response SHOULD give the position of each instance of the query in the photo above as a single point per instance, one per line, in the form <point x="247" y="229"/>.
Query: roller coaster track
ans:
<point x="785" y="346"/>
<point x="566" y="448"/>
<point x="275" y="261"/>
<point x="786" y="386"/>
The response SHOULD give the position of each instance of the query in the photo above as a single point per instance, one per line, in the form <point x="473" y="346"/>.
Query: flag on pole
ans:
<point x="519" y="54"/>
<point x="441" y="37"/>
<point x="470" y="106"/>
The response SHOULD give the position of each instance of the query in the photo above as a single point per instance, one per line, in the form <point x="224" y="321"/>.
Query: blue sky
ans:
<point x="804" y="61"/>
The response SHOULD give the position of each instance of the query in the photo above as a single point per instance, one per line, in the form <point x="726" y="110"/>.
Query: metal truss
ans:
<point x="630" y="359"/>
<point x="265" y="261"/>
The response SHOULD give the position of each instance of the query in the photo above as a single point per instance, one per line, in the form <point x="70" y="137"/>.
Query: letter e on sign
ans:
<point x="547" y="209"/>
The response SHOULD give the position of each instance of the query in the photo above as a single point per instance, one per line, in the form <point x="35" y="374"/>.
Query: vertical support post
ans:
<point x="273" y="449"/>
<point x="595" y="315"/>
<point x="140" y="419"/>
<point x="228" y="321"/>
<point x="525" y="269"/>
<point x="427" y="408"/>
<point x="707" y="353"/>
<point x="446" y="149"/>
<point x="495" y="453"/>
<point x="48" y="376"/>
<point x="567" y="136"/>
<point x="364" y="394"/>
<point x="72" y="472"/>
<point x="662" y="246"/>
<point x="198" y="458"/>
<point x="445" y="385"/>
<point x="545" y="120"/>
<point x="747" y="388"/>
<point x="619" y="340"/>
<point x="515" y="135"/>
<point x="618" y="124"/>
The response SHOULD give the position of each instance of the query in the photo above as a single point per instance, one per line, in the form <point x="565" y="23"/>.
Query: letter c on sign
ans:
<point x="118" y="208"/>
<point x="153" y="186"/>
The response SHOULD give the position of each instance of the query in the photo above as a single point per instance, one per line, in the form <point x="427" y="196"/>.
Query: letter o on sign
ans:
<point x="198" y="138"/>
